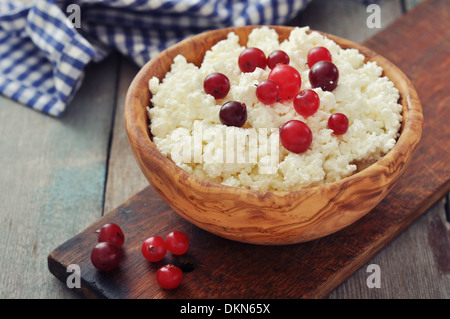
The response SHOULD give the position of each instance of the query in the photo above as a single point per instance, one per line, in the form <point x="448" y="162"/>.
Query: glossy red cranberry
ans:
<point x="177" y="242"/>
<point x="169" y="276"/>
<point x="338" y="122"/>
<point x="307" y="102"/>
<point x="268" y="92"/>
<point x="217" y="85"/>
<point x="112" y="233"/>
<point x="277" y="57"/>
<point x="317" y="54"/>
<point x="324" y="75"/>
<point x="233" y="113"/>
<point x="288" y="79"/>
<point x="252" y="58"/>
<point x="105" y="256"/>
<point x="296" y="136"/>
<point x="154" y="248"/>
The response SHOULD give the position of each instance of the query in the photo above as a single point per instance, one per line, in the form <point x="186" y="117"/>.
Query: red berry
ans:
<point x="112" y="233"/>
<point x="169" y="276"/>
<point x="217" y="85"/>
<point x="338" y="122"/>
<point x="317" y="54"/>
<point x="252" y="58"/>
<point x="288" y="80"/>
<point x="105" y="256"/>
<point x="177" y="242"/>
<point x="268" y="92"/>
<point x="295" y="136"/>
<point x="324" y="74"/>
<point x="233" y="113"/>
<point x="277" y="57"/>
<point x="307" y="102"/>
<point x="154" y="248"/>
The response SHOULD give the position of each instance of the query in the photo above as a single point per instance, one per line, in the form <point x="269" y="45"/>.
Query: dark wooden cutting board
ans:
<point x="419" y="44"/>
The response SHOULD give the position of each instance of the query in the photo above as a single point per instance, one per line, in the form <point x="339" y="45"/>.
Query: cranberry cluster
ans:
<point x="106" y="255"/>
<point x="283" y="84"/>
<point x="155" y="248"/>
<point x="232" y="113"/>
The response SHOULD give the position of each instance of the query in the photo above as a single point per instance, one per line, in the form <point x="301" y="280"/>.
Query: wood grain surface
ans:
<point x="318" y="266"/>
<point x="51" y="167"/>
<point x="412" y="265"/>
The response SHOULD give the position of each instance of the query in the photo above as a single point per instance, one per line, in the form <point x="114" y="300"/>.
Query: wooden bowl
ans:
<point x="266" y="217"/>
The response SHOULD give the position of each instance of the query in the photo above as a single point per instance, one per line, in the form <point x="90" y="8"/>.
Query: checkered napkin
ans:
<point x="44" y="51"/>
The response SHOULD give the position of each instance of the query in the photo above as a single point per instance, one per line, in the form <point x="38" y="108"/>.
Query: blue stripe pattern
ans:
<point x="43" y="55"/>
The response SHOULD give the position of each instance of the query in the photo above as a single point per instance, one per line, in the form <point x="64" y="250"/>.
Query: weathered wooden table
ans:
<point x="58" y="176"/>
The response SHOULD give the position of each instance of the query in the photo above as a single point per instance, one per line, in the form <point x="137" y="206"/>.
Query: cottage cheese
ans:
<point x="368" y="99"/>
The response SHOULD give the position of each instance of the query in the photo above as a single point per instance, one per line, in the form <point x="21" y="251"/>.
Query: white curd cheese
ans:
<point x="186" y="127"/>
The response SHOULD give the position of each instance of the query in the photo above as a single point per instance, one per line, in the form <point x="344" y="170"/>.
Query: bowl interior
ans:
<point x="194" y="49"/>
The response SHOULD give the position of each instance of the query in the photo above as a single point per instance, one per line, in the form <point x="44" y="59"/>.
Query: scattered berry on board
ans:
<point x="112" y="233"/>
<point x="169" y="276"/>
<point x="154" y="248"/>
<point x="105" y="256"/>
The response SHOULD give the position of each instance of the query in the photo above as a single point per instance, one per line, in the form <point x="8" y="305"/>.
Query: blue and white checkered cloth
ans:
<point x="45" y="45"/>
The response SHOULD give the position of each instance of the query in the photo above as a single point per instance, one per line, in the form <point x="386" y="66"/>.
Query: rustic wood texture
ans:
<point x="348" y="18"/>
<point x="274" y="217"/>
<point x="52" y="178"/>
<point x="327" y="261"/>
<point x="124" y="177"/>
<point x="423" y="269"/>
<point x="410" y="4"/>
<point x="409" y="264"/>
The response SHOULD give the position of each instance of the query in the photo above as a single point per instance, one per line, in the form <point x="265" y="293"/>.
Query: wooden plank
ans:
<point x="410" y="4"/>
<point x="429" y="49"/>
<point x="124" y="176"/>
<point x="308" y="270"/>
<point x="346" y="18"/>
<point x="345" y="15"/>
<point x="51" y="181"/>
<point x="414" y="266"/>
<point x="317" y="267"/>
